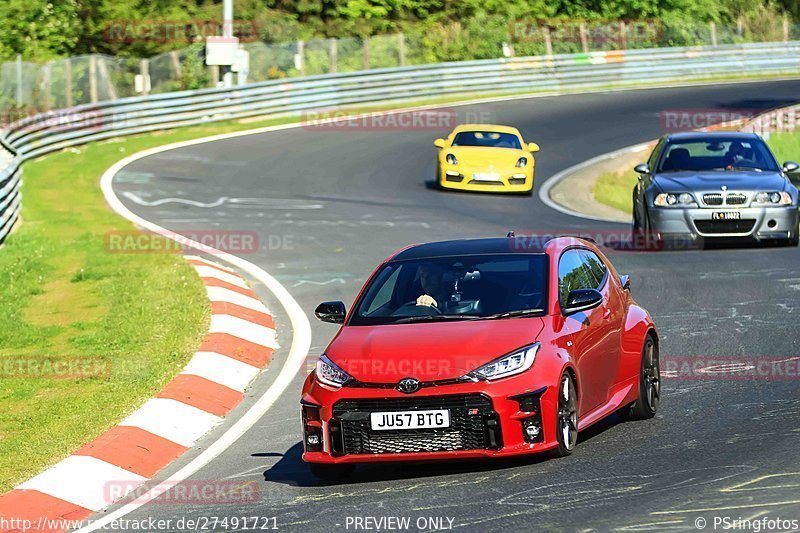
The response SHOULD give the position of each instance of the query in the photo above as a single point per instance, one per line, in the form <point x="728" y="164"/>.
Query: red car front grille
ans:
<point x="473" y="425"/>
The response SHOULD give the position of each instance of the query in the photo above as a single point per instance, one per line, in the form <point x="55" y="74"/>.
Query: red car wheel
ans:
<point x="567" y="418"/>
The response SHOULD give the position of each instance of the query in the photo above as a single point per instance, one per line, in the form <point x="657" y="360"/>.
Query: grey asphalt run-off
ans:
<point x="329" y="205"/>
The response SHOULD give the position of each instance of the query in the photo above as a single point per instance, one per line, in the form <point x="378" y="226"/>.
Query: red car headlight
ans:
<point x="328" y="373"/>
<point x="508" y="365"/>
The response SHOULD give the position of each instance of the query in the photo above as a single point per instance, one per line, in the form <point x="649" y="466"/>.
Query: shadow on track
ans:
<point x="291" y="470"/>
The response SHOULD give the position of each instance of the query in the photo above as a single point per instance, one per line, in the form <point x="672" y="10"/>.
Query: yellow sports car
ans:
<point x="484" y="157"/>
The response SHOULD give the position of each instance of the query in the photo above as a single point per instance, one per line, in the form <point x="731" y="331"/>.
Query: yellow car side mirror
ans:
<point x="439" y="143"/>
<point x="533" y="147"/>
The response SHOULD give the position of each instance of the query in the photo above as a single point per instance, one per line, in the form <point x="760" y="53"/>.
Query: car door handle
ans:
<point x="606" y="313"/>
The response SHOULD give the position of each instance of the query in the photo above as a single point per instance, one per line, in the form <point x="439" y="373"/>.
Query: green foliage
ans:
<point x="446" y="30"/>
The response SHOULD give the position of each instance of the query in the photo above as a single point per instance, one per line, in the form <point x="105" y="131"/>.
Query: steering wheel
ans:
<point x="749" y="163"/>
<point x="412" y="309"/>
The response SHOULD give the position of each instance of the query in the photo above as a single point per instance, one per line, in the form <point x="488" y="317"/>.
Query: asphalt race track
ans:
<point x="328" y="205"/>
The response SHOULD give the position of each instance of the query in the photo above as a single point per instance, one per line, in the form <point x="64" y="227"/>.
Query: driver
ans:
<point x="736" y="153"/>
<point x="431" y="278"/>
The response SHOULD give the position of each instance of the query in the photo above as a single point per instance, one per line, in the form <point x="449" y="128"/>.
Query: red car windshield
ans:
<point x="455" y="288"/>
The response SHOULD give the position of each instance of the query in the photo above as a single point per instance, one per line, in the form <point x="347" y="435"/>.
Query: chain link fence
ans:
<point x="28" y="88"/>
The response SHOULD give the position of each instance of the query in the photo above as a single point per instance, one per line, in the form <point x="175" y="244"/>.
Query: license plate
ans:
<point x="486" y="176"/>
<point x="439" y="418"/>
<point x="726" y="215"/>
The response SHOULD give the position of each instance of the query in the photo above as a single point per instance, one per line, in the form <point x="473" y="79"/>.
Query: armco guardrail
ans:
<point x="45" y="133"/>
<point x="10" y="184"/>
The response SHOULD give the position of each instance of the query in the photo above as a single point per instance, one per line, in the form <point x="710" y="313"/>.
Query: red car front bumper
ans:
<point x="488" y="419"/>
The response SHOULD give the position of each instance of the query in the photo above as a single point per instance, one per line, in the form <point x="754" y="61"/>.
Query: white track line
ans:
<point x="172" y="420"/>
<point x="222" y="369"/>
<point x="544" y="190"/>
<point x="301" y="339"/>
<point x="84" y="481"/>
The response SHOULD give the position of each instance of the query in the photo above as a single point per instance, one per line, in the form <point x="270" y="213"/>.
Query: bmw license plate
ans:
<point x="439" y="418"/>
<point x="726" y="215"/>
<point x="485" y="176"/>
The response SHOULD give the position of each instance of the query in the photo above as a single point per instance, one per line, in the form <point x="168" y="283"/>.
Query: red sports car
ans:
<point x="479" y="348"/>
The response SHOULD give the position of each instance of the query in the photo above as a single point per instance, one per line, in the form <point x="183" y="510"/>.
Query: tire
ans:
<point x="646" y="405"/>
<point x="566" y="417"/>
<point x="643" y="235"/>
<point x="330" y="472"/>
<point x="637" y="224"/>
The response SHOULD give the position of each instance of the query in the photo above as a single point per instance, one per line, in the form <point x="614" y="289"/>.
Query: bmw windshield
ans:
<point x="717" y="154"/>
<point x="455" y="288"/>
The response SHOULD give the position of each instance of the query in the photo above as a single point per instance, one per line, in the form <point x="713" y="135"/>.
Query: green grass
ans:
<point x="786" y="146"/>
<point x="615" y="189"/>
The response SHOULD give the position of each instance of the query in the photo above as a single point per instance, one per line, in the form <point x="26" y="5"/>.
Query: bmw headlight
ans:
<point x="451" y="159"/>
<point x="521" y="162"/>
<point x="669" y="199"/>
<point x="508" y="365"/>
<point x="328" y="373"/>
<point x="772" y="198"/>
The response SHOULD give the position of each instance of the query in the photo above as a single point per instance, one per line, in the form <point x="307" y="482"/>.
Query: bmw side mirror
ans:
<point x="625" y="281"/>
<point x="439" y="143"/>
<point x="642" y="168"/>
<point x="533" y="148"/>
<point x="581" y="300"/>
<point x="790" y="166"/>
<point x="333" y="312"/>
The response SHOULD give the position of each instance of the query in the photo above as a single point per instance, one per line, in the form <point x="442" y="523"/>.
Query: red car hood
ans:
<point x="387" y="354"/>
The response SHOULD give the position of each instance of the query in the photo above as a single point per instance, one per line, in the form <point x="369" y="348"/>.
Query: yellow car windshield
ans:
<point x="491" y="139"/>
